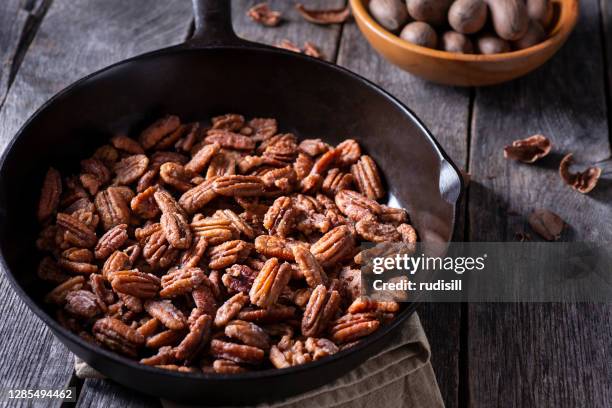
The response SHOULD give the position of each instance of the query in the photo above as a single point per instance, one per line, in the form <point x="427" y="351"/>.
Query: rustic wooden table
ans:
<point x="503" y="355"/>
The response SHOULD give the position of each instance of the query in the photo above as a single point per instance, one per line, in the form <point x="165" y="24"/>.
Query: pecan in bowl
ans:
<point x="217" y="247"/>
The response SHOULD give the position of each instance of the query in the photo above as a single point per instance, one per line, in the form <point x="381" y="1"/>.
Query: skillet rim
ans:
<point x="60" y="331"/>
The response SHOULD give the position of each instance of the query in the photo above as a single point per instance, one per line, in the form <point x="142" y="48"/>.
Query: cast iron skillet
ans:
<point x="213" y="73"/>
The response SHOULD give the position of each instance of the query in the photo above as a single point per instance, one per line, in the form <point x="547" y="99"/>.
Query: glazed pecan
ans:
<point x="230" y="309"/>
<point x="196" y="198"/>
<point x="157" y="131"/>
<point x="238" y="185"/>
<point x="273" y="246"/>
<point x="204" y="299"/>
<point x="104" y="296"/>
<point x="284" y="179"/>
<point x="129" y="169"/>
<point x="131" y="302"/>
<point x="238" y="223"/>
<point x="94" y="175"/>
<point x="320" y="310"/>
<point x="181" y="281"/>
<point x="165" y="355"/>
<point x="175" y="175"/>
<point x="227" y="367"/>
<point x="350" y="152"/>
<point x="273" y="314"/>
<point x="352" y="327"/>
<point x="248" y="333"/>
<point x="165" y="338"/>
<point x="214" y="230"/>
<point x="228" y="253"/>
<point x="58" y="294"/>
<point x="408" y="233"/>
<point x="262" y="14"/>
<point x="78" y="260"/>
<point x="113" y="208"/>
<point x="350" y="282"/>
<point x="365" y="174"/>
<point x="319" y="348"/>
<point x="269" y="283"/>
<point x="229" y="140"/>
<point x="264" y="128"/>
<point x="239" y="278"/>
<point x="356" y="206"/>
<point x="200" y="160"/>
<point x="126" y="144"/>
<point x="111" y="241"/>
<point x="49" y="194"/>
<point x="107" y="154"/>
<point x="76" y="232"/>
<point x="173" y="220"/>
<point x="365" y="304"/>
<point x="302" y="166"/>
<point x="313" y="147"/>
<point x="335" y="246"/>
<point x="118" y="336"/>
<point x="392" y="215"/>
<point x="117" y="261"/>
<point x="155" y="248"/>
<point x="222" y="164"/>
<point x="281" y="217"/>
<point x="229" y="121"/>
<point x="374" y="231"/>
<point x="309" y="266"/>
<point x="144" y="205"/>
<point x="135" y="283"/>
<point x="281" y="148"/>
<point x="82" y="303"/>
<point x="192" y="257"/>
<point x="167" y="313"/>
<point x="335" y="180"/>
<point x="237" y="353"/>
<point x="196" y="340"/>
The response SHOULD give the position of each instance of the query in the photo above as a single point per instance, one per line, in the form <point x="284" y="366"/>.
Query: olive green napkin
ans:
<point x="400" y="376"/>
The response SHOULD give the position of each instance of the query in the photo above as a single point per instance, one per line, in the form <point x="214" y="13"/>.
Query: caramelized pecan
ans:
<point x="335" y="246"/>
<point x="248" y="333"/>
<point x="181" y="281"/>
<point x="200" y="160"/>
<point x="173" y="220"/>
<point x="238" y="185"/>
<point x="158" y="130"/>
<point x="195" y="340"/>
<point x="196" y="198"/>
<point x="365" y="174"/>
<point x="166" y="313"/>
<point x="113" y="208"/>
<point x="118" y="336"/>
<point x="214" y="230"/>
<point x="281" y="217"/>
<point x="269" y="283"/>
<point x="135" y="283"/>
<point x="352" y="327"/>
<point x="309" y="266"/>
<point x="111" y="241"/>
<point x="129" y="169"/>
<point x="228" y="253"/>
<point x="76" y="232"/>
<point x="230" y="309"/>
<point x="237" y="353"/>
<point x="320" y="310"/>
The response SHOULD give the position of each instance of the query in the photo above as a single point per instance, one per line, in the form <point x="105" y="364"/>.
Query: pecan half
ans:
<point x="238" y="223"/>
<point x="320" y="310"/>
<point x="352" y="327"/>
<point x="350" y="152"/>
<point x="335" y="180"/>
<point x="158" y="130"/>
<point x="50" y="271"/>
<point x="122" y="142"/>
<point x="113" y="208"/>
<point x="196" y="198"/>
<point x="202" y="158"/>
<point x="196" y="339"/>
<point x="248" y="333"/>
<point x="95" y="174"/>
<point x="135" y="283"/>
<point x="313" y="147"/>
<point x="365" y="174"/>
<point x="167" y="313"/>
<point x="269" y="283"/>
<point x="229" y="121"/>
<point x="319" y="348"/>
<point x="374" y="231"/>
<point x="155" y="248"/>
<point x="365" y="304"/>
<point x="239" y="278"/>
<point x="281" y="217"/>
<point x="237" y="353"/>
<point x="230" y="309"/>
<point x="144" y="205"/>
<point x="192" y="257"/>
<point x="117" y="261"/>
<point x="82" y="303"/>
<point x="238" y="185"/>
<point x="77" y="232"/>
<point x="222" y="164"/>
<point x="204" y="299"/>
<point x="528" y="150"/>
<point x="175" y="175"/>
<point x="58" y="294"/>
<point x="335" y="246"/>
<point x="309" y="266"/>
<point x="173" y="220"/>
<point x="49" y="194"/>
<point x="181" y="281"/>
<point x="273" y="314"/>
<point x="273" y="246"/>
<point x="214" y="230"/>
<point x="264" y="128"/>
<point x="129" y="169"/>
<point x="227" y="367"/>
<point x="78" y="260"/>
<point x="118" y="336"/>
<point x="229" y="140"/>
<point x="356" y="206"/>
<point x="583" y="181"/>
<point x="228" y="253"/>
<point x="262" y="14"/>
<point x="111" y="241"/>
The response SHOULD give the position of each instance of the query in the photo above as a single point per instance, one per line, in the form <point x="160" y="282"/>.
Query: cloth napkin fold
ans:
<point x="400" y="376"/>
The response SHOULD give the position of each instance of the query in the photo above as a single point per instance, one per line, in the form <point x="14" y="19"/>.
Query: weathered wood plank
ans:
<point x="105" y="393"/>
<point x="75" y="38"/>
<point x="445" y="111"/>
<point x="293" y="27"/>
<point x="606" y="21"/>
<point x="542" y="354"/>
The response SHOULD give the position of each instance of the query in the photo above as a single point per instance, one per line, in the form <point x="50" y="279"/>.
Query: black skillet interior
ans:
<point x="213" y="74"/>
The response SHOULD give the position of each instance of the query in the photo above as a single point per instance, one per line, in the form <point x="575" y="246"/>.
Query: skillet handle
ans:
<point x="213" y="24"/>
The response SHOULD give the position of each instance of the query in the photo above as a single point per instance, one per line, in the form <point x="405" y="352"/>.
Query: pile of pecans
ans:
<point x="219" y="248"/>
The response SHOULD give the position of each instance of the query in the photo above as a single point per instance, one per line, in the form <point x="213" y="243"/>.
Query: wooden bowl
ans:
<point x="466" y="69"/>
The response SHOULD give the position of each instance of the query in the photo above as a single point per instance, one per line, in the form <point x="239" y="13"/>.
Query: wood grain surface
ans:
<point x="542" y="354"/>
